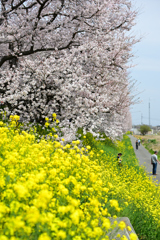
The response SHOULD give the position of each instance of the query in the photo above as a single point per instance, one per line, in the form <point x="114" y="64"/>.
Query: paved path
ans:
<point x="144" y="158"/>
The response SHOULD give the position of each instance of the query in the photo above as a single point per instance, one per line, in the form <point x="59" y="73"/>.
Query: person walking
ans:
<point x="154" y="161"/>
<point x="137" y="144"/>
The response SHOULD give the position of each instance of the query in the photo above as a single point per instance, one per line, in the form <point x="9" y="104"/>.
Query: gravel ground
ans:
<point x="144" y="158"/>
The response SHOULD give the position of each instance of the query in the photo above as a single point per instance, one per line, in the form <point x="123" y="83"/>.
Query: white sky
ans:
<point x="147" y="70"/>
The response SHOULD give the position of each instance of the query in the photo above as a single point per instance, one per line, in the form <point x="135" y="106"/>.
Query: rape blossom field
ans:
<point x="52" y="190"/>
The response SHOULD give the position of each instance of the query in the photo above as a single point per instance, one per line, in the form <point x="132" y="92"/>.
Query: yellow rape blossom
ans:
<point x="21" y="190"/>
<point x="61" y="234"/>
<point x="3" y="237"/>
<point x="54" y="191"/>
<point x="47" y="124"/>
<point x="44" y="236"/>
<point x="54" y="115"/>
<point x="133" y="236"/>
<point x="114" y="203"/>
<point x="122" y="225"/>
<point x="106" y="223"/>
<point x="129" y="228"/>
<point x="124" y="237"/>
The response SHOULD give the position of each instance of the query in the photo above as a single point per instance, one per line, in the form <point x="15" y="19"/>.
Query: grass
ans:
<point x="131" y="181"/>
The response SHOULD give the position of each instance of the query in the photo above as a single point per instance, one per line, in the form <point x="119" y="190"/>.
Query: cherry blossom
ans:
<point x="71" y="58"/>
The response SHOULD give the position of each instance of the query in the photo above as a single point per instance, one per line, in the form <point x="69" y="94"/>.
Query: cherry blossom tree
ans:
<point x="67" y="57"/>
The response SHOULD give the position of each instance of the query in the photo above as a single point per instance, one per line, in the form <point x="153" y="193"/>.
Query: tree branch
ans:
<point x="32" y="51"/>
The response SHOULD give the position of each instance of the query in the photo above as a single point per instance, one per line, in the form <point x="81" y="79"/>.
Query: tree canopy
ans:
<point x="144" y="129"/>
<point x="71" y="58"/>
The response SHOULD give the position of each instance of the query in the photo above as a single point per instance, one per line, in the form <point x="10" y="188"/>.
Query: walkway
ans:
<point x="144" y="158"/>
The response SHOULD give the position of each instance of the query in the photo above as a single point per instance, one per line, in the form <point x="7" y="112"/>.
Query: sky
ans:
<point x="147" y="61"/>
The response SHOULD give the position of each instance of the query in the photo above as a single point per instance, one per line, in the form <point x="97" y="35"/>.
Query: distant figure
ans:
<point x="154" y="161"/>
<point x="119" y="159"/>
<point x="137" y="144"/>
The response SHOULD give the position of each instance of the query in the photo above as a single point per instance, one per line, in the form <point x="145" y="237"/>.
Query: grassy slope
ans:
<point x="137" y="194"/>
